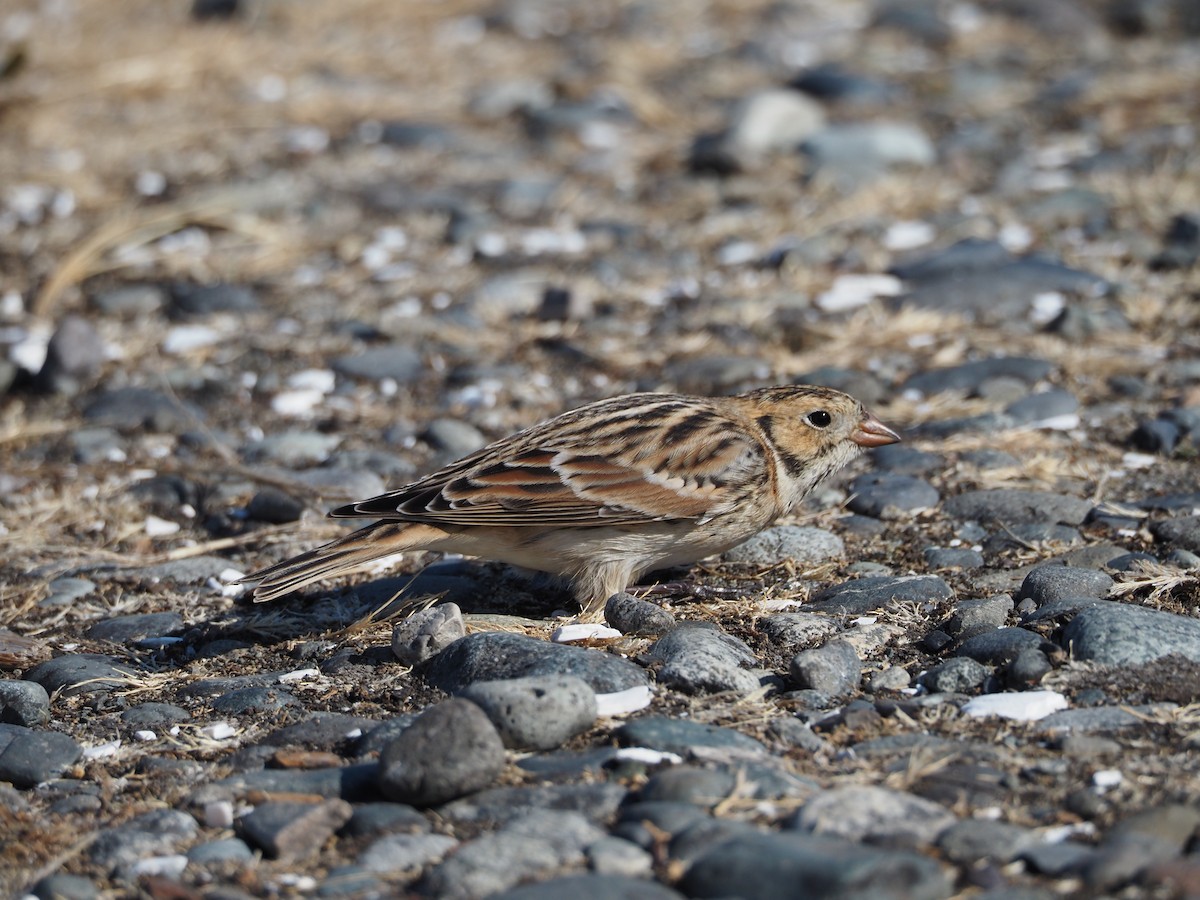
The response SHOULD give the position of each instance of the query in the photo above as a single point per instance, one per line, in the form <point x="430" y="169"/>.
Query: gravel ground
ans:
<point x="255" y="266"/>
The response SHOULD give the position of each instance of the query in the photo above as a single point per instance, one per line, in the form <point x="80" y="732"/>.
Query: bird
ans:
<point x="604" y="493"/>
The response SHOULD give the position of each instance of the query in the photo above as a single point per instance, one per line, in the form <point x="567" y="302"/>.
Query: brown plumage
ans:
<point x="609" y="491"/>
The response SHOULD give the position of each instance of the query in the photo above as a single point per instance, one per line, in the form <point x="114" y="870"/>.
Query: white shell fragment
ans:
<point x="622" y="703"/>
<point x="1027" y="706"/>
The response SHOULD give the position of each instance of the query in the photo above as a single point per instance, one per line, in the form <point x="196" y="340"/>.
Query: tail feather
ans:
<point x="351" y="553"/>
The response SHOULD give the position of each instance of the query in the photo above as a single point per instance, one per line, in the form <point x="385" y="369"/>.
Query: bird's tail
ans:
<point x="348" y="554"/>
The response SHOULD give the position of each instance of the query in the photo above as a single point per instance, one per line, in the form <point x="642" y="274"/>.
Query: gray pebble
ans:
<point x="592" y="886"/>
<point x="1088" y="720"/>
<point x="78" y="673"/>
<point x="633" y="615"/>
<point x="24" y="703"/>
<point x="893" y="678"/>
<point x="889" y="496"/>
<point x="318" y="731"/>
<point x="539" y="844"/>
<point x="453" y="438"/>
<point x="1183" y="532"/>
<point x="687" y="739"/>
<point x="1028" y="668"/>
<point x="450" y="750"/>
<point x="1121" y="635"/>
<point x="597" y="801"/>
<point x="73" y="357"/>
<point x="426" y="633"/>
<point x="699" y="659"/>
<point x="971" y="841"/>
<point x="870" y="146"/>
<point x="1058" y="860"/>
<point x="274" y="506"/>
<point x="134" y="409"/>
<point x="797" y="630"/>
<point x="245" y="701"/>
<point x="1048" y="583"/>
<point x="864" y="595"/>
<point x="493" y="656"/>
<point x="775" y="863"/>
<point x="150" y="834"/>
<point x="130" y="300"/>
<point x="355" y="784"/>
<point x="64" y="591"/>
<point x="399" y="362"/>
<point x="219" y="852"/>
<point x="62" y="886"/>
<point x="968" y="378"/>
<point x="1020" y="535"/>
<point x="1002" y="645"/>
<point x="406" y="852"/>
<point x="803" y="545"/>
<point x="615" y="856"/>
<point x="539" y="712"/>
<point x="32" y="757"/>
<point x="941" y="558"/>
<point x="958" y="675"/>
<point x="901" y="460"/>
<point x="136" y="627"/>
<point x="1037" y="408"/>
<point x="971" y="616"/>
<point x="874" y="814"/>
<point x="194" y="300"/>
<point x="372" y="819"/>
<point x="292" y="831"/>
<point x="1010" y="507"/>
<point x="833" y="669"/>
<point x="292" y="449"/>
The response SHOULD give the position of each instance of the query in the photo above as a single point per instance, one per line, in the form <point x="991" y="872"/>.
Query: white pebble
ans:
<point x="622" y="703"/>
<point x="648" y="756"/>
<point x="218" y="814"/>
<point x="219" y="731"/>
<point x="156" y="527"/>
<point x="1139" y="460"/>
<point x="298" y="675"/>
<point x="1027" y="706"/>
<point x="170" y="866"/>
<point x="566" y="634"/>
<point x="1046" y="306"/>
<point x="230" y="575"/>
<point x="150" y="183"/>
<point x="102" y="751"/>
<point x="322" y="380"/>
<point x="184" y="338"/>
<point x="853" y="291"/>
<point x="297" y="404"/>
<point x="1106" y="779"/>
<point x="145" y="734"/>
<point x="908" y="235"/>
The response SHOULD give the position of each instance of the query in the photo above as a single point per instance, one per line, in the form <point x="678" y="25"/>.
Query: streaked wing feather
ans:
<point x="597" y="467"/>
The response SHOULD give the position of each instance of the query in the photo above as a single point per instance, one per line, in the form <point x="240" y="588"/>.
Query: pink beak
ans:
<point x="873" y="433"/>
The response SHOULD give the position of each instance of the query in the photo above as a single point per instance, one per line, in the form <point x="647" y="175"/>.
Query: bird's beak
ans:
<point x="873" y="433"/>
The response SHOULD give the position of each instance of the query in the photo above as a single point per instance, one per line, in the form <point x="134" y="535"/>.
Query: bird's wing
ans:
<point x="651" y="458"/>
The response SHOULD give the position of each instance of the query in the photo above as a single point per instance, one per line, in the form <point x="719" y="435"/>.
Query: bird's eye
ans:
<point x="819" y="419"/>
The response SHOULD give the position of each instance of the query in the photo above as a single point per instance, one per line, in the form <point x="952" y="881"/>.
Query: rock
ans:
<point x="406" y="852"/>
<point x="758" y="866"/>
<point x="453" y="438"/>
<point x="833" y="668"/>
<point x="154" y="715"/>
<point x="248" y="700"/>
<point x="1152" y="836"/>
<point x="539" y="712"/>
<point x="291" y="449"/>
<point x="958" y="675"/>
<point x="450" y="750"/>
<point x="973" y="616"/>
<point x="1121" y="635"/>
<point x="1050" y="583"/>
<point x="688" y="739"/>
<point x="597" y="801"/>
<point x="1002" y="645"/>
<point x="138" y="409"/>
<point x="274" y="506"/>
<point x="130" y="300"/>
<point x="64" y="591"/>
<point x="292" y="831"/>
<point x="701" y="659"/>
<point x="196" y="300"/>
<point x="32" y="757"/>
<point x="875" y="815"/>
<point x="1090" y="720"/>
<point x="1008" y="507"/>
<point x="319" y="730"/>
<point x="610" y="856"/>
<point x="635" y="616"/>
<point x="970" y="841"/>
<point x="1183" y="532"/>
<point x="888" y="496"/>
<point x="73" y="357"/>
<point x="798" y="630"/>
<point x="426" y="633"/>
<point x="399" y="362"/>
<point x="220" y="852"/>
<point x="78" y="673"/>
<point x="903" y="460"/>
<point x="537" y="845"/>
<point x="600" y="885"/>
<point x="62" y="886"/>
<point x="1028" y="668"/>
<point x="802" y="545"/>
<point x="137" y="627"/>
<point x="371" y="819"/>
<point x="494" y="656"/>
<point x="24" y="703"/>
<point x="354" y="784"/>
<point x="870" y="146"/>
<point x="1042" y="408"/>
<point x="160" y="831"/>
<point x="865" y="595"/>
